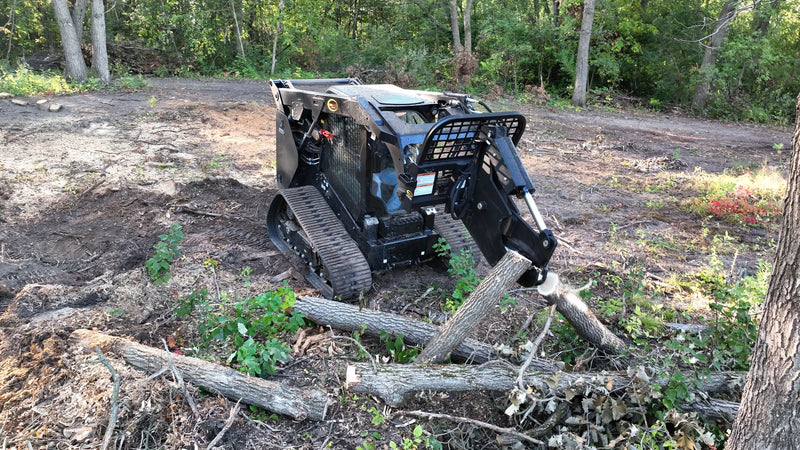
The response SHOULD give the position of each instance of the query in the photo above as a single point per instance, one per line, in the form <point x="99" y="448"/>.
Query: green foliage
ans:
<point x="251" y="329"/>
<point x="732" y="325"/>
<point x="397" y="348"/>
<point x="462" y="269"/>
<point x="24" y="81"/>
<point x="417" y="441"/>
<point x="166" y="251"/>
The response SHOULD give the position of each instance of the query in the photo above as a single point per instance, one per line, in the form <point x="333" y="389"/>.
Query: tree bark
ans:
<point x="582" y="61"/>
<point x="299" y="404"/>
<point x="78" y="14"/>
<point x="76" y="67"/>
<point x="569" y="303"/>
<point x="99" y="49"/>
<point x="350" y="318"/>
<point x="475" y="307"/>
<point x="454" y="27"/>
<point x="768" y="417"/>
<point x="721" y="26"/>
<point x="281" y="5"/>
<point x="394" y="383"/>
<point x="240" y="44"/>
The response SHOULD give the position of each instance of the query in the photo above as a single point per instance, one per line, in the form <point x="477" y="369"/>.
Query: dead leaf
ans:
<point x="683" y="441"/>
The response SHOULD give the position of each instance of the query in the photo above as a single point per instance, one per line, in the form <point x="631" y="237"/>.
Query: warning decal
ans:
<point x="425" y="183"/>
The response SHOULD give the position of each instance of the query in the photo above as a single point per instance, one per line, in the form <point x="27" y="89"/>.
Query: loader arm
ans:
<point x="476" y="154"/>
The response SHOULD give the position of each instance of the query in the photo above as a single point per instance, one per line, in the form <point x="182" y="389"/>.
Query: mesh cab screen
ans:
<point x="454" y="137"/>
<point x="346" y="155"/>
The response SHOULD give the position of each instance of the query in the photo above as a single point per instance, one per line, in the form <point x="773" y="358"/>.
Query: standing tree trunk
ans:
<point x="582" y="63"/>
<point x="721" y="26"/>
<point x="281" y="5"/>
<point x="76" y="67"/>
<point x="99" y="50"/>
<point x="768" y="416"/>
<point x="78" y="13"/>
<point x="240" y="44"/>
<point x="466" y="63"/>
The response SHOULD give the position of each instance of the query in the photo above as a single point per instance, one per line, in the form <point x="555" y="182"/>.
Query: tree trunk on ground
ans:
<point x="99" y="49"/>
<point x="768" y="416"/>
<point x="76" y="67"/>
<point x="475" y="307"/>
<point x="582" y="61"/>
<point x="394" y="383"/>
<point x="569" y="303"/>
<point x="717" y="38"/>
<point x="342" y="316"/>
<point x="294" y="402"/>
<point x="78" y="14"/>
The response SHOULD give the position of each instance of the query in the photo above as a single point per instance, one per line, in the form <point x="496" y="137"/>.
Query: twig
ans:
<point x="347" y="338"/>
<point x="228" y="423"/>
<point x="179" y="379"/>
<point x="488" y="426"/>
<point x="535" y="347"/>
<point x="112" y="417"/>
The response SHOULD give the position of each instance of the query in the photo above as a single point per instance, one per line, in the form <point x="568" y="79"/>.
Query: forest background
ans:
<point x="655" y="53"/>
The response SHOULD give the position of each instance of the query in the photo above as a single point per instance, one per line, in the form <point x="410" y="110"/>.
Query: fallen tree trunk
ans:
<point x="350" y="318"/>
<point x="296" y="403"/>
<point x="395" y="382"/>
<point x="569" y="303"/>
<point x="475" y="308"/>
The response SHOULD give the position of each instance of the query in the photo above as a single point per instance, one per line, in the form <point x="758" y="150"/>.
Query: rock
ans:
<point x="5" y="95"/>
<point x="54" y="107"/>
<point x="19" y="102"/>
<point x="79" y="434"/>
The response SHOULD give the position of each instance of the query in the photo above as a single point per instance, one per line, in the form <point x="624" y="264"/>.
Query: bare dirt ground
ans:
<point x="85" y="192"/>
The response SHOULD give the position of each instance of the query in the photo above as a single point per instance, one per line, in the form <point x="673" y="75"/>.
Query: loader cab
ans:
<point x="397" y="122"/>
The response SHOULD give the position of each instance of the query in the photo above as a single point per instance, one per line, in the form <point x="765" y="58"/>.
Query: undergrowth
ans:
<point x="677" y="362"/>
<point x="250" y="331"/>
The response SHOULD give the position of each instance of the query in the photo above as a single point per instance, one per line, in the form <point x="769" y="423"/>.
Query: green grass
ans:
<point x="24" y="81"/>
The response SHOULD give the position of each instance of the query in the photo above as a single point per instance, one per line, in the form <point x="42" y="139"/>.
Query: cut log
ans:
<point x="569" y="303"/>
<point x="351" y="318"/>
<point x="395" y="382"/>
<point x="299" y="404"/>
<point x="475" y="307"/>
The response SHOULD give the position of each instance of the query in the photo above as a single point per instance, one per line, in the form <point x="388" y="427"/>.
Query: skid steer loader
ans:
<point x="372" y="176"/>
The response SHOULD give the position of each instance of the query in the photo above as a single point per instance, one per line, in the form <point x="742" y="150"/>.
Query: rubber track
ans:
<point x="456" y="235"/>
<point x="348" y="270"/>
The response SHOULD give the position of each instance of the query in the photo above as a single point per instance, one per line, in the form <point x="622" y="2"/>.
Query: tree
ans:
<point x="715" y="41"/>
<point x="466" y="63"/>
<point x="768" y="416"/>
<point x="99" y="51"/>
<point x="76" y="67"/>
<point x="582" y="64"/>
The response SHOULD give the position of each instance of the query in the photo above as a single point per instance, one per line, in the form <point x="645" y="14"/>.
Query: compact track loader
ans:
<point x="372" y="176"/>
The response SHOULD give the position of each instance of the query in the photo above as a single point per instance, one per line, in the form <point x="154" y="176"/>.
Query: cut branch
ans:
<point x="296" y="403"/>
<point x="510" y="267"/>
<point x="395" y="382"/>
<point x="577" y="313"/>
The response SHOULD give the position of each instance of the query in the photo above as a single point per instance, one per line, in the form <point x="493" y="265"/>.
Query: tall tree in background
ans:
<point x="466" y="63"/>
<point x="75" y="66"/>
<point x="768" y="416"/>
<point x="582" y="63"/>
<point x="715" y="41"/>
<point x="99" y="51"/>
<point x="70" y="26"/>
